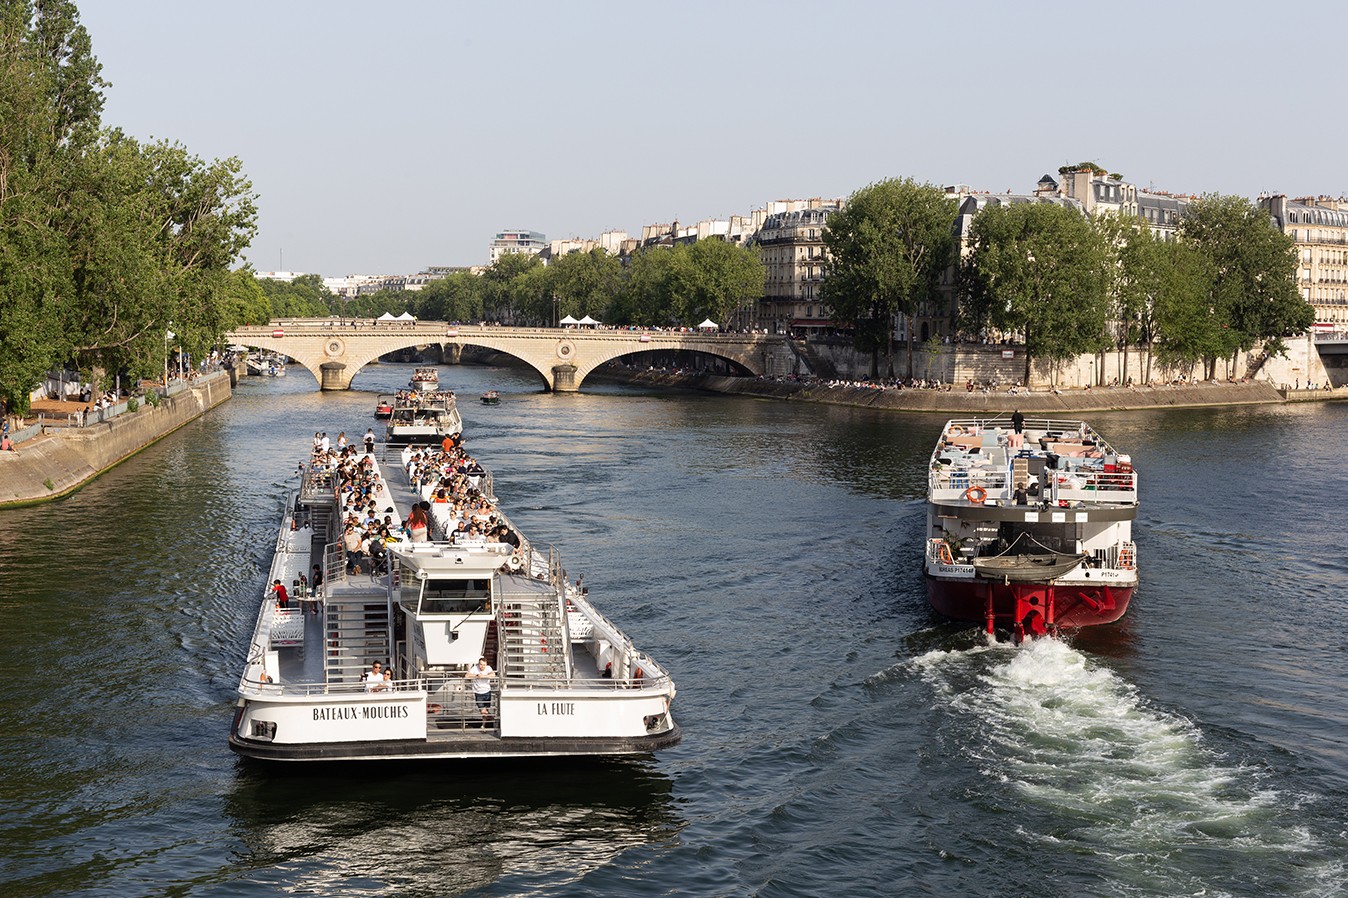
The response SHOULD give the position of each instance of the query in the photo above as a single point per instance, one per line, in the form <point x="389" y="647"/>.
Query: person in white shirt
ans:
<point x="374" y="678"/>
<point x="480" y="676"/>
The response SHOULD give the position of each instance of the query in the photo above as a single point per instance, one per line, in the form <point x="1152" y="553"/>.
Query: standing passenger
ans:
<point x="480" y="676"/>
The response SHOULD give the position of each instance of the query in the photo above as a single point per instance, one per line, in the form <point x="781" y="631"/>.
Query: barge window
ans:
<point x="456" y="596"/>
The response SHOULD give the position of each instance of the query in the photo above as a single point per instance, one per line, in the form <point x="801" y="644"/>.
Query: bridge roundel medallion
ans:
<point x="334" y="347"/>
<point x="566" y="350"/>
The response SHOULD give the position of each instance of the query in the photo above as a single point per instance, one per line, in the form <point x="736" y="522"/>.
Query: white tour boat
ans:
<point x="423" y="417"/>
<point x="565" y="680"/>
<point x="425" y="379"/>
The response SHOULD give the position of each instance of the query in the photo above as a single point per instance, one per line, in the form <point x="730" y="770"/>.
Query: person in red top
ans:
<point x="282" y="598"/>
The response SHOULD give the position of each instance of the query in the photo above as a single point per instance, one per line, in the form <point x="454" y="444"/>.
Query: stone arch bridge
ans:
<point x="334" y="350"/>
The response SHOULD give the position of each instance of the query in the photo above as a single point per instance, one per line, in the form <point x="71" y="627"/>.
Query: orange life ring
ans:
<point x="976" y="494"/>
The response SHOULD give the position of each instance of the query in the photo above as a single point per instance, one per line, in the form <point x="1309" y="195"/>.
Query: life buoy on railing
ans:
<point x="976" y="494"/>
<point x="515" y="562"/>
<point x="956" y="430"/>
<point x="943" y="553"/>
<point x="433" y="709"/>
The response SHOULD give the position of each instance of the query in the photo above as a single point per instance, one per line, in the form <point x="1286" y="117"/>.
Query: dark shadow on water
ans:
<point x="421" y="828"/>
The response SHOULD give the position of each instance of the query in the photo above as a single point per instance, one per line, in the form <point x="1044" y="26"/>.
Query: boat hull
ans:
<point x="1075" y="604"/>
<point x="463" y="747"/>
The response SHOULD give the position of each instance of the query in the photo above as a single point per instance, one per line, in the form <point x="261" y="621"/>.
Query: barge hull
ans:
<point x="1076" y="605"/>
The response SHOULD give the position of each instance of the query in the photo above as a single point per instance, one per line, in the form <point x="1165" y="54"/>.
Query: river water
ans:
<point x="838" y="739"/>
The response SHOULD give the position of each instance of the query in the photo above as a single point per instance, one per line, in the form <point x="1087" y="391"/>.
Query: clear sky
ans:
<point x="386" y="137"/>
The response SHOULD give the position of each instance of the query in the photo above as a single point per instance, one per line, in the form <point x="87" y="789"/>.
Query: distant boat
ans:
<point x="426" y="379"/>
<point x="383" y="408"/>
<point x="491" y="397"/>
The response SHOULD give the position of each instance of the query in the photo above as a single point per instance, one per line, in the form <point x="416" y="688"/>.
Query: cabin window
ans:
<point x="456" y="596"/>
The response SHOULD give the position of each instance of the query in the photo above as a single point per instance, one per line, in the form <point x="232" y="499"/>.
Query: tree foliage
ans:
<point x="1253" y="267"/>
<point x="105" y="243"/>
<point x="455" y="297"/>
<point x="1041" y="270"/>
<point x="887" y="249"/>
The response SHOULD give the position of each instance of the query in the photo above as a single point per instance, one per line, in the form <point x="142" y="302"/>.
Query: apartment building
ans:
<point x="1318" y="227"/>
<point x="531" y="242"/>
<point x="791" y="240"/>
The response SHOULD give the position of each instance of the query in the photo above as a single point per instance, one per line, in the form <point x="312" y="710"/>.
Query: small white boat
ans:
<point x="425" y="379"/>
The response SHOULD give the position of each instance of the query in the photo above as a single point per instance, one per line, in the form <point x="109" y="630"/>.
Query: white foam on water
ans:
<point x="1071" y="745"/>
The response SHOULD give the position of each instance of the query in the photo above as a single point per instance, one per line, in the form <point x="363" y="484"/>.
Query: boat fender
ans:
<point x="976" y="494"/>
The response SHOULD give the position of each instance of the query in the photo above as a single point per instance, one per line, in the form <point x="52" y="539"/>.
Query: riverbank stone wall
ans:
<point x="61" y="461"/>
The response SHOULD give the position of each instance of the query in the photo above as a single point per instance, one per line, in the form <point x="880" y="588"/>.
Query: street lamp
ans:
<point x="168" y="335"/>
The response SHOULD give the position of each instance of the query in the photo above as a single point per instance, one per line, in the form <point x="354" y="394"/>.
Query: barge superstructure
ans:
<point x="1029" y="525"/>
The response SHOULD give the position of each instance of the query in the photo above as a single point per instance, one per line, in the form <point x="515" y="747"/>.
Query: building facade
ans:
<point x="1318" y="227"/>
<point x="793" y="254"/>
<point x="531" y="242"/>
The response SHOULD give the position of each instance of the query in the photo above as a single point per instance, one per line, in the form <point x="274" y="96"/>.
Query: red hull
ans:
<point x="1074" y="605"/>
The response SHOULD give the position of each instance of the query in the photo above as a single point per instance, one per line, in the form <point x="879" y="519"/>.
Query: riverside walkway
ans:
<point x="334" y="350"/>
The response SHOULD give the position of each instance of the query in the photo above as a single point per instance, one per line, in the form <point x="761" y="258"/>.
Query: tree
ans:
<point x="1042" y="270"/>
<point x="247" y="303"/>
<point x="303" y="297"/>
<point x="50" y="101"/>
<point x="1254" y="265"/>
<point x="510" y="294"/>
<point x="887" y="249"/>
<point x="649" y="291"/>
<point x="455" y="297"/>
<point x="719" y="281"/>
<point x="581" y="284"/>
<point x="105" y="243"/>
<point x="1186" y="325"/>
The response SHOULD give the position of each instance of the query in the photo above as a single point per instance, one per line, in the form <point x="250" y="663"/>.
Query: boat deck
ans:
<point x="985" y="461"/>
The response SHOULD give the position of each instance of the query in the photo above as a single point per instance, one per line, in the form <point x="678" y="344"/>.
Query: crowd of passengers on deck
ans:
<point x="450" y="480"/>
<point x="419" y="398"/>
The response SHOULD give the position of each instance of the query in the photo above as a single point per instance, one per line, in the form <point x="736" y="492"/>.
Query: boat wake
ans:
<point x="1088" y="769"/>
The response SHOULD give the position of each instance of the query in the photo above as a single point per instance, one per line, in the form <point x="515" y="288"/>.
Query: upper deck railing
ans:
<point x="975" y="463"/>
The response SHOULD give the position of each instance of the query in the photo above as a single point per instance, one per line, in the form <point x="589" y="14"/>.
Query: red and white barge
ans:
<point x="1029" y="525"/>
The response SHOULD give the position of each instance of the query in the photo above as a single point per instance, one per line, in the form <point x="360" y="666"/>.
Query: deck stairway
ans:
<point x="357" y="632"/>
<point x="532" y="631"/>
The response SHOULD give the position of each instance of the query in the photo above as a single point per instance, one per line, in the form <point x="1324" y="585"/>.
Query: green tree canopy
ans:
<point x="583" y="284"/>
<point x="1253" y="264"/>
<point x="303" y="297"/>
<point x="1041" y="270"/>
<point x="105" y="243"/>
<point x="887" y="249"/>
<point x="455" y="297"/>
